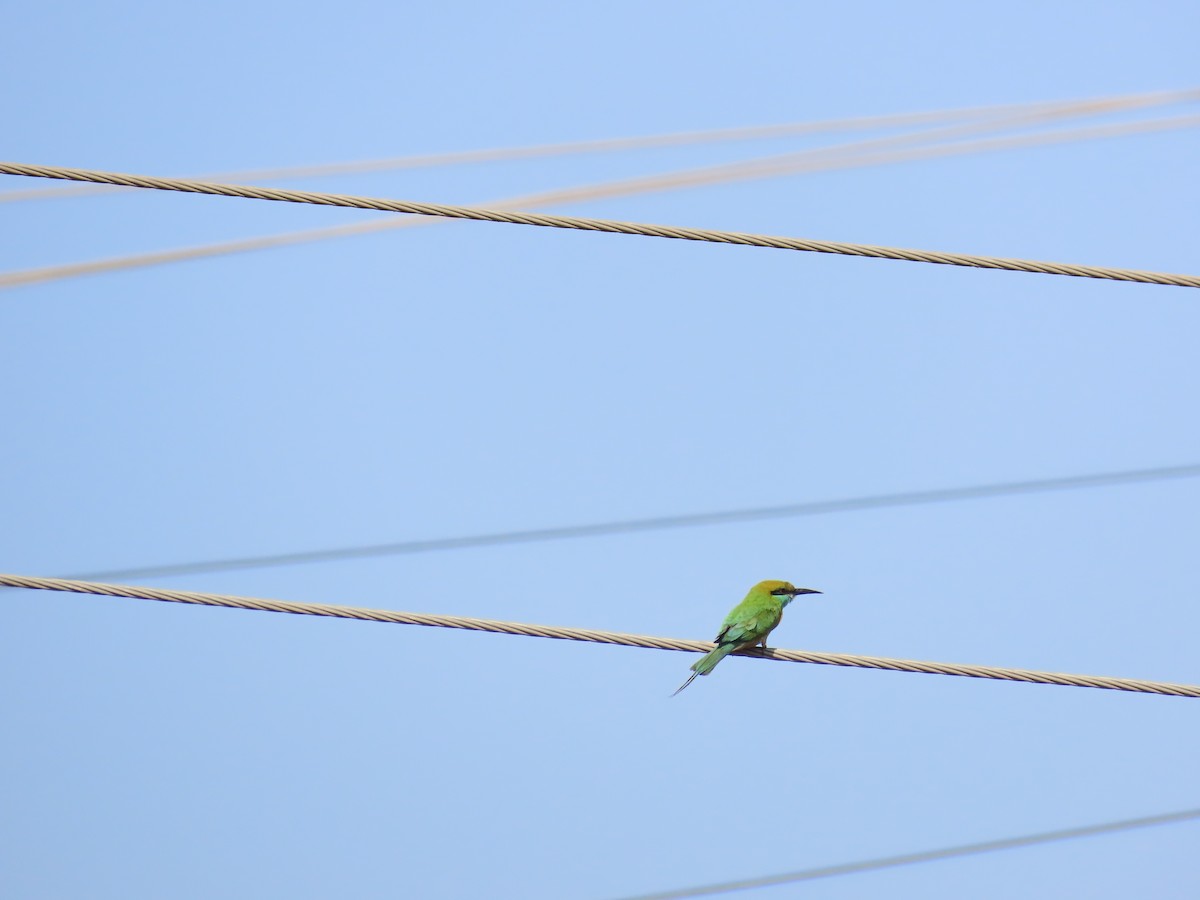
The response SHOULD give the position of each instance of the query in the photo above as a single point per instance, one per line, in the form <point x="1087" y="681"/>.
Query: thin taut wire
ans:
<point x="606" y="226"/>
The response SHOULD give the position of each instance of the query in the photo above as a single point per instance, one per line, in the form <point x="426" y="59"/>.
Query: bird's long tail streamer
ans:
<point x="691" y="678"/>
<point x="707" y="663"/>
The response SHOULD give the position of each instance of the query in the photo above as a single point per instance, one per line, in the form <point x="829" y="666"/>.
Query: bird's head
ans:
<point x="784" y="590"/>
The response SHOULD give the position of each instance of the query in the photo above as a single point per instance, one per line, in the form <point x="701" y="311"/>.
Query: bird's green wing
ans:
<point x="750" y="620"/>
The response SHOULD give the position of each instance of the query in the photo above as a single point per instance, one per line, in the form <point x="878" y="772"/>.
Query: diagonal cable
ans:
<point x="657" y="523"/>
<point x="598" y="637"/>
<point x="607" y="226"/>
<point x="908" y="859"/>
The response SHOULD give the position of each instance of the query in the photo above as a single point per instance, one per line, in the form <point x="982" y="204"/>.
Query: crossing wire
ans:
<point x="599" y="225"/>
<point x="908" y="859"/>
<point x="843" y="156"/>
<point x="598" y="637"/>
<point x="657" y="523"/>
<point x="873" y="152"/>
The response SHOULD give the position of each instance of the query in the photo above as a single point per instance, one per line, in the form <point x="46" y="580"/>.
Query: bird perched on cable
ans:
<point x="749" y="623"/>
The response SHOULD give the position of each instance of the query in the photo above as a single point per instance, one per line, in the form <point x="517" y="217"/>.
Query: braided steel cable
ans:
<point x="598" y="637"/>
<point x="601" y="225"/>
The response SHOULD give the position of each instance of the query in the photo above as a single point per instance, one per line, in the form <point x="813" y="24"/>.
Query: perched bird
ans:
<point x="749" y="623"/>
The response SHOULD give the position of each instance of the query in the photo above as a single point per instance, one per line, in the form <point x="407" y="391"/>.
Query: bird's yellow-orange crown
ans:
<point x="769" y="586"/>
<point x="785" y="590"/>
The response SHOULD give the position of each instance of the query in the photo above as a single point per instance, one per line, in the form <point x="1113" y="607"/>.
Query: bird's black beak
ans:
<point x="800" y="591"/>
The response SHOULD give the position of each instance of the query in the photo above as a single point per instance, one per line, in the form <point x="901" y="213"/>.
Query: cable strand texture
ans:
<point x="599" y="637"/>
<point x="600" y="225"/>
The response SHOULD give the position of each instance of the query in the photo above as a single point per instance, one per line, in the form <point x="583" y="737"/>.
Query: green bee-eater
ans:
<point x="749" y="623"/>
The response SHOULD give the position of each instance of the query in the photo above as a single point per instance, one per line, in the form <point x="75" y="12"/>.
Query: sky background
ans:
<point x="473" y="377"/>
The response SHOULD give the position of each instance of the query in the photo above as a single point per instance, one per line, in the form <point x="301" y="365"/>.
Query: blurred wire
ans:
<point x="606" y="145"/>
<point x="627" y="526"/>
<point x="908" y="859"/>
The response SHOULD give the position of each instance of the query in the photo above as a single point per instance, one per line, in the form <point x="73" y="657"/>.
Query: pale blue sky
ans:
<point x="473" y="377"/>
